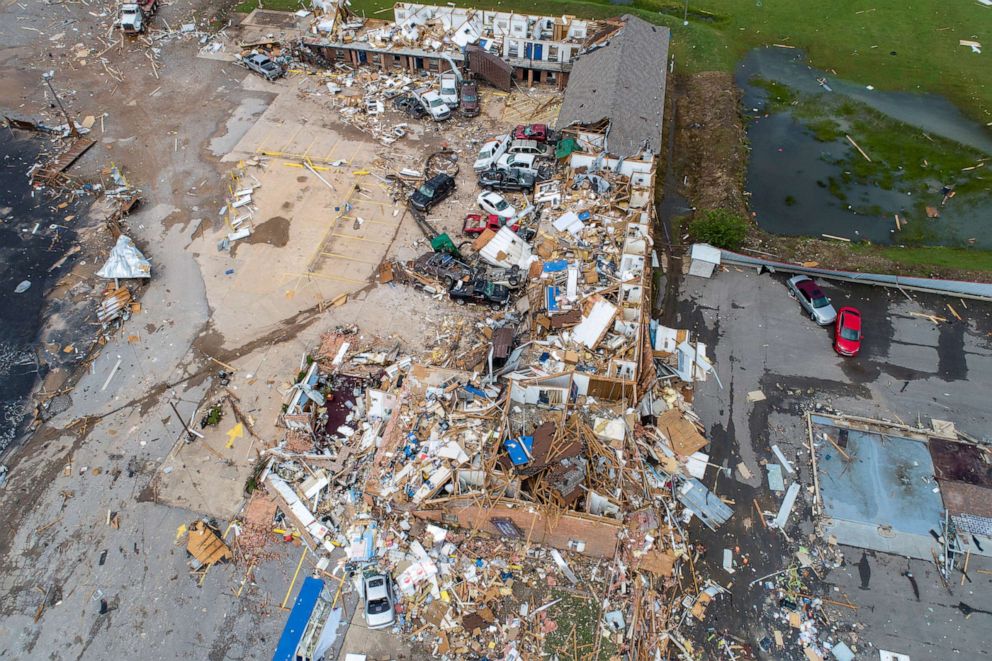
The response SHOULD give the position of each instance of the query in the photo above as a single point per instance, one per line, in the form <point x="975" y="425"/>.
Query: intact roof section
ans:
<point x="622" y="80"/>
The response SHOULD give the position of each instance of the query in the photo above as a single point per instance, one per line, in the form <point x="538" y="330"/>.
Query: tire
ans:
<point x="813" y="317"/>
<point x="459" y="301"/>
<point x="449" y="282"/>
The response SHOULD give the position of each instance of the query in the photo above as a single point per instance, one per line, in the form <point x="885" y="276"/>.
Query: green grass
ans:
<point x="584" y="615"/>
<point x="960" y="259"/>
<point x="851" y="37"/>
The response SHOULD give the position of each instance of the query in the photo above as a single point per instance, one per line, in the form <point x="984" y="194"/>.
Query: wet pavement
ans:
<point x="33" y="238"/>
<point x="909" y="371"/>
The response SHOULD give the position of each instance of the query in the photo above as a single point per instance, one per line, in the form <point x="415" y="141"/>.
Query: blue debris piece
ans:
<point x="519" y="449"/>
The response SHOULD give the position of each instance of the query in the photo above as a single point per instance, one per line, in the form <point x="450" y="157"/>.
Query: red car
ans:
<point x="477" y="223"/>
<point x="847" y="332"/>
<point x="539" y="132"/>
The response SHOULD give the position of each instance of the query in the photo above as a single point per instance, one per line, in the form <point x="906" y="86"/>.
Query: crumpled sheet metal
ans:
<point x="125" y="261"/>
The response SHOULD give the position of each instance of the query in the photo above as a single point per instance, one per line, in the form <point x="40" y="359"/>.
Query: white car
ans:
<point x="379" y="610"/>
<point x="490" y="152"/>
<point x="449" y="89"/>
<point x="494" y="203"/>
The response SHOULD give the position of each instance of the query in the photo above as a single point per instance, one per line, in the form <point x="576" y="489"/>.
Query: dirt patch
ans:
<point x="274" y="231"/>
<point x="711" y="141"/>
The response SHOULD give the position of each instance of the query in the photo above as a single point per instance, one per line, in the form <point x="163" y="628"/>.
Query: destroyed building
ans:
<point x="496" y="46"/>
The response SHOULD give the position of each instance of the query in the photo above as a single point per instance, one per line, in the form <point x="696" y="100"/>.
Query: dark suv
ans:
<point x="470" y="99"/>
<point x="432" y="191"/>
<point x="480" y="290"/>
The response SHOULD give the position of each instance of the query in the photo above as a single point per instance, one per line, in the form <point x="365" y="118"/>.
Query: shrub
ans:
<point x="720" y="228"/>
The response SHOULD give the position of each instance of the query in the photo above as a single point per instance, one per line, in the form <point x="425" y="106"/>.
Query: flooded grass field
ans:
<point x="834" y="157"/>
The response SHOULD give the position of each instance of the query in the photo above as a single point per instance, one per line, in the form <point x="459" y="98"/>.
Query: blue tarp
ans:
<point x="551" y="299"/>
<point x="555" y="266"/>
<point x="298" y="618"/>
<point x="515" y="448"/>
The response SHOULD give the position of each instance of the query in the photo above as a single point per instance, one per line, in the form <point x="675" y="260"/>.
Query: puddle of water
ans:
<point x="803" y="186"/>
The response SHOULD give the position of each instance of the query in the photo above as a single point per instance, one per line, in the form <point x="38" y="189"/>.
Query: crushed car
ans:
<point x="512" y="179"/>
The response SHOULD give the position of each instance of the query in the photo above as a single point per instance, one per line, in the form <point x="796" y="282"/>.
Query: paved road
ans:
<point x="910" y="370"/>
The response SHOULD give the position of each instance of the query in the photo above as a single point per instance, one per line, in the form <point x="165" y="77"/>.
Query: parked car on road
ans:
<point x="449" y="89"/>
<point x="480" y="290"/>
<point x="470" y="106"/>
<point x="812" y="299"/>
<point x="847" y="332"/>
<point x="263" y="66"/>
<point x="538" y="132"/>
<point x="432" y="191"/>
<point x="496" y="204"/>
<point x="379" y="601"/>
<point x="490" y="152"/>
<point x="511" y="179"/>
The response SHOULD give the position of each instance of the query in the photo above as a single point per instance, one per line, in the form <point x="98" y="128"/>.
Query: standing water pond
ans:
<point x="922" y="159"/>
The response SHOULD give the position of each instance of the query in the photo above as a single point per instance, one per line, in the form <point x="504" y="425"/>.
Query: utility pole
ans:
<point x="47" y="77"/>
<point x="685" y="15"/>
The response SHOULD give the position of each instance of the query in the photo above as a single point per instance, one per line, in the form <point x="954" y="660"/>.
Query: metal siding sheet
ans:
<point x="296" y="623"/>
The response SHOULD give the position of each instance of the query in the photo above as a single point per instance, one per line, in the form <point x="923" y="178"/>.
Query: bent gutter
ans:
<point x="959" y="288"/>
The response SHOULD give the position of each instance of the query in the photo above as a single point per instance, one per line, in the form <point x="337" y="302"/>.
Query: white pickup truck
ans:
<point x="434" y="105"/>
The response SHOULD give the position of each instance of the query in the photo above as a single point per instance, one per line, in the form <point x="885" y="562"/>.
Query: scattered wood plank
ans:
<point x="835" y="238"/>
<point x="860" y="150"/>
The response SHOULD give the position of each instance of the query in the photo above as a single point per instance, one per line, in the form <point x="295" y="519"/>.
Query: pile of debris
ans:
<point x="560" y="434"/>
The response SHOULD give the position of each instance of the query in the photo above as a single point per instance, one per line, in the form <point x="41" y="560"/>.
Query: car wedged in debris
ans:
<point x="432" y="191"/>
<point x="379" y="601"/>
<point x="263" y="66"/>
<point x="496" y="204"/>
<point x="410" y="106"/>
<point x="812" y="299"/>
<point x="477" y="223"/>
<point x="538" y="132"/>
<point x="479" y="290"/>
<point x="443" y="267"/>
<point x="510" y="179"/>
<point x="470" y="106"/>
<point x="490" y="152"/>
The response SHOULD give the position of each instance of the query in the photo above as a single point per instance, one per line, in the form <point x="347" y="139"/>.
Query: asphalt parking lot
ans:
<point x="910" y="370"/>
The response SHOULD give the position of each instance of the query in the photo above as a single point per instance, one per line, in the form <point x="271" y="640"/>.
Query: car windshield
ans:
<point x="819" y="300"/>
<point x="377" y="606"/>
<point x="436" y="102"/>
<point x="426" y="190"/>
<point x="485" y="152"/>
<point x="468" y="97"/>
<point x="500" y="205"/>
<point x="850" y="334"/>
